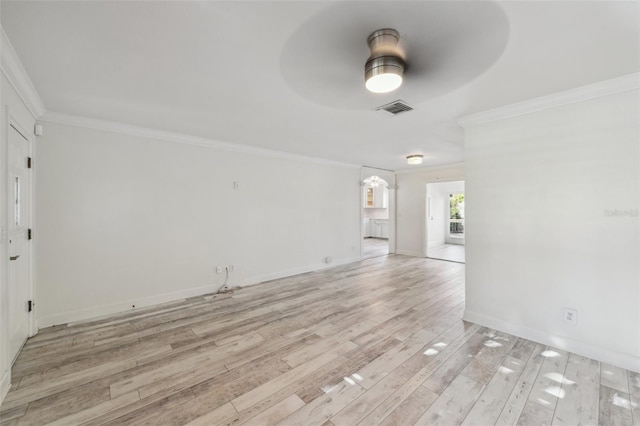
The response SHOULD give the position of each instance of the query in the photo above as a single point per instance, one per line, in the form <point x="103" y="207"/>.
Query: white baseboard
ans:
<point x="618" y="359"/>
<point x="5" y="384"/>
<point x="125" y="306"/>
<point x="297" y="271"/>
<point x="456" y="241"/>
<point x="410" y="253"/>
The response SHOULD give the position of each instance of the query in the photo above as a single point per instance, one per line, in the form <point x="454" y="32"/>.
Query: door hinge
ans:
<point x="28" y="162"/>
<point x="30" y="305"/>
<point x="29" y="234"/>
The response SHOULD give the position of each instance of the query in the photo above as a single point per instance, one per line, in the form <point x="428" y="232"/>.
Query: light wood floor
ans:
<point x="374" y="247"/>
<point x="375" y="342"/>
<point x="450" y="252"/>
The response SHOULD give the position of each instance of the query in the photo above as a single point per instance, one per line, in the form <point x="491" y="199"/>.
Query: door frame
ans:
<point x="425" y="207"/>
<point x="12" y="121"/>
<point x="390" y="177"/>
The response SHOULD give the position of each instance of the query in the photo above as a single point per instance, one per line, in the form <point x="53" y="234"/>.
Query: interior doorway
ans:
<point x="375" y="217"/>
<point x="445" y="221"/>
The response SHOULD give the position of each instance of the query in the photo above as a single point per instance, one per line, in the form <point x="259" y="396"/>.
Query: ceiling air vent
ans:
<point x="395" y="107"/>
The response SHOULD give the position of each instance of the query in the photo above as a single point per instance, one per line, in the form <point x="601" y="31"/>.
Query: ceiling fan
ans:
<point x="423" y="49"/>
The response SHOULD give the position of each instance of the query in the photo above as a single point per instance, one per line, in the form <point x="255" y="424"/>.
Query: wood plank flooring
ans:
<point x="374" y="342"/>
<point x="450" y="252"/>
<point x="374" y="247"/>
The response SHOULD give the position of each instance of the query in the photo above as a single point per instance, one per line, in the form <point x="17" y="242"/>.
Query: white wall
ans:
<point x="11" y="105"/>
<point x="437" y="221"/>
<point x="125" y="220"/>
<point x="411" y="205"/>
<point x="539" y="238"/>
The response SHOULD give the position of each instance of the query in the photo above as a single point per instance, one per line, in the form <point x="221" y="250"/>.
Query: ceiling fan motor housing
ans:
<point x="385" y="57"/>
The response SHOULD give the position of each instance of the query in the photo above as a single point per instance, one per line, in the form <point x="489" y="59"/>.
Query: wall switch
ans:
<point x="570" y="316"/>
<point x="236" y="185"/>
<point x="218" y="269"/>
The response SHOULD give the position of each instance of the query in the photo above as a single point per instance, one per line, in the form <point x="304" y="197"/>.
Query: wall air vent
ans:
<point x="395" y="107"/>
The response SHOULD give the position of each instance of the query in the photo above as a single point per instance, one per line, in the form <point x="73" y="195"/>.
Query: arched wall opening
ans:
<point x="378" y="212"/>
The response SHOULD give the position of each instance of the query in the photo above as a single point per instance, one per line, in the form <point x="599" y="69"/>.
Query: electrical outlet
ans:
<point x="231" y="268"/>
<point x="570" y="316"/>
<point x="218" y="269"/>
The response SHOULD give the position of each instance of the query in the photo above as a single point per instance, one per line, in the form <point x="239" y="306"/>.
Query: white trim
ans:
<point x="145" y="132"/>
<point x="5" y="385"/>
<point x="410" y="253"/>
<point x="13" y="69"/>
<point x="32" y="225"/>
<point x="125" y="306"/>
<point x="579" y="94"/>
<point x="258" y="279"/>
<point x="5" y="332"/>
<point x="433" y="244"/>
<point x="622" y="360"/>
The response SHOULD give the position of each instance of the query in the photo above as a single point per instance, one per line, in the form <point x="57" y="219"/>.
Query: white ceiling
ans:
<point x="288" y="75"/>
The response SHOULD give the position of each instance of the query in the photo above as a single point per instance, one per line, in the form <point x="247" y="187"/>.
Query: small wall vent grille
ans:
<point x="395" y="107"/>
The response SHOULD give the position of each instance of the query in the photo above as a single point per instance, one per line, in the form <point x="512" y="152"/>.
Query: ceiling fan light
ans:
<point x="384" y="69"/>
<point x="384" y="83"/>
<point x="414" y="159"/>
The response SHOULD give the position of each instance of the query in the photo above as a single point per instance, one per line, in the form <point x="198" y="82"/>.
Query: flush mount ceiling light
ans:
<point x="385" y="66"/>
<point x="414" y="159"/>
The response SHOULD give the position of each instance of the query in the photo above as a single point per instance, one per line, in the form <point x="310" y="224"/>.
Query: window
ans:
<point x="456" y="215"/>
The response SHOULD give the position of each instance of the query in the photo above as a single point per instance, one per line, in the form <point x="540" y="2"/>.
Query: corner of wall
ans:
<point x="619" y="359"/>
<point x="17" y="76"/>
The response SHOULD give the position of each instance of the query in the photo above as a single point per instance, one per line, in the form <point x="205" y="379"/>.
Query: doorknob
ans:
<point x="14" y="257"/>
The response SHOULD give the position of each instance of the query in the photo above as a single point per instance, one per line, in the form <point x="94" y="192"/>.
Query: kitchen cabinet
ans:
<point x="384" y="229"/>
<point x="376" y="197"/>
<point x="367" y="228"/>
<point x="368" y="197"/>
<point x="376" y="228"/>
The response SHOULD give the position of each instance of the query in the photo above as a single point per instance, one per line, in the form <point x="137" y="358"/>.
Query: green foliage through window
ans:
<point x="456" y="206"/>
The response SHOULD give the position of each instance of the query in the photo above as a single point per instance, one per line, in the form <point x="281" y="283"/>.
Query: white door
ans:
<point x="19" y="197"/>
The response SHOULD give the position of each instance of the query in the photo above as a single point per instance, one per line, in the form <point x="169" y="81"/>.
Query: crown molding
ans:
<point x="579" y="94"/>
<point x="14" y="71"/>
<point x="148" y="133"/>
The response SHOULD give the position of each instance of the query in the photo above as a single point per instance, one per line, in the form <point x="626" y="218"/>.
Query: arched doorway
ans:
<point x="376" y="229"/>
